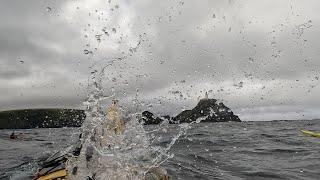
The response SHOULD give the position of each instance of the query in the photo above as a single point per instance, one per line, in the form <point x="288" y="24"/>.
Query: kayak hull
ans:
<point x="310" y="133"/>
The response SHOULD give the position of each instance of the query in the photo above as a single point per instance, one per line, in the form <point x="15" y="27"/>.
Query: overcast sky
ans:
<point x="259" y="57"/>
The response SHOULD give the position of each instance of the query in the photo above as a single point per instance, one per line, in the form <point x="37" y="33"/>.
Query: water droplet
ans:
<point x="98" y="37"/>
<point x="251" y="60"/>
<point x="86" y="51"/>
<point x="114" y="30"/>
<point x="21" y="62"/>
<point x="48" y="9"/>
<point x="105" y="31"/>
<point x="221" y="109"/>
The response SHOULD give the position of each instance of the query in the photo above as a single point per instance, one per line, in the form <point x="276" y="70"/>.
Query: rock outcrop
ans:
<point x="149" y="118"/>
<point x="207" y="110"/>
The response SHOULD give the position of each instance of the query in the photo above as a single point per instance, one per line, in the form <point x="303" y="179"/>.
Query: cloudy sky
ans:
<point x="261" y="58"/>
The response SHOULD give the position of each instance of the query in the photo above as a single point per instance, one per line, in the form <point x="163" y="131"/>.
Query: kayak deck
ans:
<point x="61" y="174"/>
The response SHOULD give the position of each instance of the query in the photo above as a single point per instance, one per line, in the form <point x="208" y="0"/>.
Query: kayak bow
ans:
<point x="310" y="133"/>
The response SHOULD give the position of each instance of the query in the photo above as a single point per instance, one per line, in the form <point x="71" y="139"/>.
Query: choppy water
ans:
<point x="247" y="150"/>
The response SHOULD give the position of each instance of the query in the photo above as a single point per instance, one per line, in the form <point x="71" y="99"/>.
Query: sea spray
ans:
<point x="125" y="155"/>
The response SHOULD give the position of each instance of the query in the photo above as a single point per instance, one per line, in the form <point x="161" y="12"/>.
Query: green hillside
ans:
<point x="41" y="118"/>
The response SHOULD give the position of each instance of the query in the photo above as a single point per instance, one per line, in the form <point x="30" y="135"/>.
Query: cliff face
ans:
<point x="209" y="110"/>
<point x="41" y="118"/>
<point x="149" y="118"/>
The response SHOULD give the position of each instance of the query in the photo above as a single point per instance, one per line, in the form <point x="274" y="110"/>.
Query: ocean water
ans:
<point x="247" y="150"/>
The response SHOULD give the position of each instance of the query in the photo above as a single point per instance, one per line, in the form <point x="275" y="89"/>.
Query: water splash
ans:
<point x="48" y="9"/>
<point x="112" y="152"/>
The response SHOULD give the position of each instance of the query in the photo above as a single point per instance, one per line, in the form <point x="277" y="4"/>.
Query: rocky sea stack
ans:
<point x="207" y="110"/>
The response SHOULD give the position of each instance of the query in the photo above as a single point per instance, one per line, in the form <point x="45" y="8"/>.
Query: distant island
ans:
<point x="207" y="110"/>
<point x="41" y="118"/>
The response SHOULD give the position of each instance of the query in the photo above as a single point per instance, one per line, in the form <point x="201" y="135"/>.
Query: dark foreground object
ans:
<point x="41" y="118"/>
<point x="55" y="167"/>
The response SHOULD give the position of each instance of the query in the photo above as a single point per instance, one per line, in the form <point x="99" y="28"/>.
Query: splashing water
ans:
<point x="111" y="149"/>
<point x="48" y="9"/>
<point x="114" y="147"/>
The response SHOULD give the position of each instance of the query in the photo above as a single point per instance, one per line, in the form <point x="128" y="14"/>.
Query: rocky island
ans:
<point x="207" y="110"/>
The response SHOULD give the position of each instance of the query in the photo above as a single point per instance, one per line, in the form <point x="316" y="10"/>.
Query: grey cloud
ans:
<point x="13" y="72"/>
<point x="184" y="48"/>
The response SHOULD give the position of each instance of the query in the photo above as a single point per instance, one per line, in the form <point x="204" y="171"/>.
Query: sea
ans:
<point x="252" y="150"/>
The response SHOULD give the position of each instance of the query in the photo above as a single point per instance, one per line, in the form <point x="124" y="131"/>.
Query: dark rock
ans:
<point x="149" y="118"/>
<point x="209" y="110"/>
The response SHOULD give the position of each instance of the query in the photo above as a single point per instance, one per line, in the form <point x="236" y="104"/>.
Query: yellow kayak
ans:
<point x="53" y="168"/>
<point x="310" y="133"/>
<point x="60" y="174"/>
